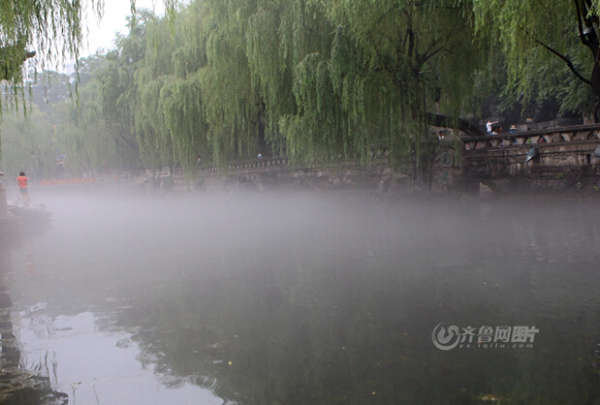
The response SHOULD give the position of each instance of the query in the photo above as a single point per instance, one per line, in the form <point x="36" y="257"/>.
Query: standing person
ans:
<point x="22" y="182"/>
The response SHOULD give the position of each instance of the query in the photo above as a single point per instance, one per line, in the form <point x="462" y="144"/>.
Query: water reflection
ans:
<point x="96" y="367"/>
<point x="20" y="383"/>
<point x="295" y="299"/>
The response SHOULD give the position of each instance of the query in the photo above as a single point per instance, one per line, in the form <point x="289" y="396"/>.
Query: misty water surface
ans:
<point x="306" y="298"/>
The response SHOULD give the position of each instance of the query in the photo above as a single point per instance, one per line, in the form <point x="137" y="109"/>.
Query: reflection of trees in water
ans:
<point x="344" y="315"/>
<point x="19" y="384"/>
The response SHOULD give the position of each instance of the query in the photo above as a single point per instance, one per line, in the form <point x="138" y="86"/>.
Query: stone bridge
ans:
<point x="553" y="158"/>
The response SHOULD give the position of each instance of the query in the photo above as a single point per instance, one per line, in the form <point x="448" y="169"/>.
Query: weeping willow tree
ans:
<point x="168" y="112"/>
<point x="118" y="87"/>
<point x="316" y="80"/>
<point x="552" y="49"/>
<point x="152" y="136"/>
<point x="96" y="134"/>
<point x="183" y="113"/>
<point x="27" y="143"/>
<point x="208" y="106"/>
<point x="233" y="107"/>
<point x="279" y="36"/>
<point x="27" y="27"/>
<point x="57" y="126"/>
<point x="49" y="28"/>
<point x="389" y="70"/>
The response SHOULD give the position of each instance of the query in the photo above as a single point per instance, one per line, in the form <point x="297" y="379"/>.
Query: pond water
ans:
<point x="310" y="298"/>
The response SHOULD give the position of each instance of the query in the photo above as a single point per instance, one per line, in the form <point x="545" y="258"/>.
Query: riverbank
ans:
<point x="19" y="386"/>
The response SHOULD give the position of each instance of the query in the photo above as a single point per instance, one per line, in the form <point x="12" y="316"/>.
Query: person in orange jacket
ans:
<point x="22" y="181"/>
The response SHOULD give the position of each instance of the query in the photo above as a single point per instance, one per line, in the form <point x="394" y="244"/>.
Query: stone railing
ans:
<point x="247" y="164"/>
<point x="265" y="164"/>
<point x="557" y="135"/>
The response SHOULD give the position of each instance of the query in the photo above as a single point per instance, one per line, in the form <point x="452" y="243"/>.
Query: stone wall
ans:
<point x="564" y="158"/>
<point x="378" y="175"/>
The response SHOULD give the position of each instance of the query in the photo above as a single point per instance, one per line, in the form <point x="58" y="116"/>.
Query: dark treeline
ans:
<point x="222" y="80"/>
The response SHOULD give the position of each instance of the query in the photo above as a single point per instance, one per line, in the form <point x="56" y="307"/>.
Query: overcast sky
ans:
<point x="101" y="34"/>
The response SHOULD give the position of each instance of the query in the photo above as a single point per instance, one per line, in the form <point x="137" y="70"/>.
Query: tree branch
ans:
<point x="438" y="120"/>
<point x="579" y="24"/>
<point x="591" y="38"/>
<point x="566" y="60"/>
<point x="423" y="59"/>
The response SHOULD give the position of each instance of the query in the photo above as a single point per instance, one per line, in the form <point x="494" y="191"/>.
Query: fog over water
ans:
<point x="306" y="298"/>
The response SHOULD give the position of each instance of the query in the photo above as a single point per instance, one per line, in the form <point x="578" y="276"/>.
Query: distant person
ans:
<point x="492" y="127"/>
<point x="22" y="181"/>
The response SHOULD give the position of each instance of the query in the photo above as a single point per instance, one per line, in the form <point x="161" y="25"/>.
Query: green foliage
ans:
<point x="50" y="29"/>
<point x="182" y="109"/>
<point x="523" y="32"/>
<point x="385" y="64"/>
<point x="29" y="144"/>
<point x="56" y="125"/>
<point x="320" y="79"/>
<point x="311" y="79"/>
<point x="316" y="80"/>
